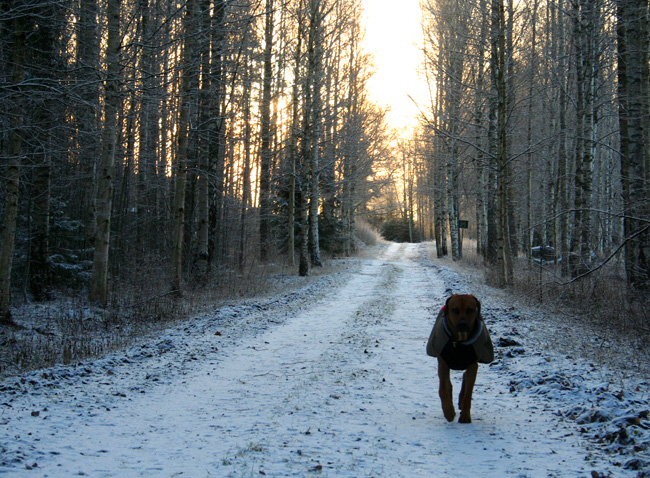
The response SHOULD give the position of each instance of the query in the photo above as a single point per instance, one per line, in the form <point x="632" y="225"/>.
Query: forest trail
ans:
<point x="339" y="387"/>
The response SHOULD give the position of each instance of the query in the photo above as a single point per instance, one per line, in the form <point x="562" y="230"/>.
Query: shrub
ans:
<point x="366" y="233"/>
<point x="397" y="229"/>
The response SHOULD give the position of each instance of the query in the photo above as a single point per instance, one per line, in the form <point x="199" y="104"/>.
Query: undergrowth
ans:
<point x="601" y="297"/>
<point x="69" y="329"/>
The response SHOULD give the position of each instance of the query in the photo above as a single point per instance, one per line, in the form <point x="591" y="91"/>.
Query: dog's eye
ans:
<point x="469" y="310"/>
<point x="456" y="310"/>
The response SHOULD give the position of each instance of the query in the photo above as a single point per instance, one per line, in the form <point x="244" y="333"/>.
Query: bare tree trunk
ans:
<point x="291" y="224"/>
<point x="99" y="280"/>
<point x="491" y="249"/>
<point x="206" y="115"/>
<point x="188" y="85"/>
<point x="293" y="142"/>
<point x="586" y="13"/>
<point x="351" y="151"/>
<point x="562" y="164"/>
<point x="43" y="120"/>
<point x="246" y="183"/>
<point x="148" y="132"/>
<point x="266" y="135"/>
<point x="13" y="169"/>
<point x="452" y="94"/>
<point x="306" y="157"/>
<point x="439" y="180"/>
<point x="408" y="199"/>
<point x="452" y="203"/>
<point x="304" y="263"/>
<point x="504" y="253"/>
<point x="528" y="226"/>
<point x="217" y="131"/>
<point x="481" y="215"/>
<point x="511" y="100"/>
<point x="39" y="269"/>
<point x="634" y="84"/>
<point x="314" y="75"/>
<point x="440" y="205"/>
<point x="88" y="51"/>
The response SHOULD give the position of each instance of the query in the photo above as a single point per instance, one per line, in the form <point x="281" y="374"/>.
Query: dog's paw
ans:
<point x="465" y="418"/>
<point x="450" y="413"/>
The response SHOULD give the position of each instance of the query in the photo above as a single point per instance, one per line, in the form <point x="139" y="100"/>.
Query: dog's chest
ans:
<point x="458" y="356"/>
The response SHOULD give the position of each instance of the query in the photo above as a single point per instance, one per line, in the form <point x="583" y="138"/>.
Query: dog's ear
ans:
<point x="478" y="306"/>
<point x="446" y="307"/>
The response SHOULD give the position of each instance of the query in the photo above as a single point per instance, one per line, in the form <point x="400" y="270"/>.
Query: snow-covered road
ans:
<point x="339" y="386"/>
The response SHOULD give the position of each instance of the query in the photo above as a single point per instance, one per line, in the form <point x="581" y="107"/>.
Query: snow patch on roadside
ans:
<point x="609" y="404"/>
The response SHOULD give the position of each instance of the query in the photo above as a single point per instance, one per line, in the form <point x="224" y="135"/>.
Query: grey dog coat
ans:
<point x="460" y="355"/>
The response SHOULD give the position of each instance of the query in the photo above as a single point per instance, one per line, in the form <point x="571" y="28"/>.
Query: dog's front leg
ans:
<point x="465" y="399"/>
<point x="446" y="390"/>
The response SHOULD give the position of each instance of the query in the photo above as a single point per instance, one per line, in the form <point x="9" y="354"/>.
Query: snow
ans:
<point x="331" y="380"/>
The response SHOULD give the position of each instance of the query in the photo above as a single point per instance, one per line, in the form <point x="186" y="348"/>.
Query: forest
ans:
<point x="537" y="134"/>
<point x="171" y="145"/>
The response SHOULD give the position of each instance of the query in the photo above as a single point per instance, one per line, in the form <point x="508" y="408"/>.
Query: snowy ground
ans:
<point x="331" y="380"/>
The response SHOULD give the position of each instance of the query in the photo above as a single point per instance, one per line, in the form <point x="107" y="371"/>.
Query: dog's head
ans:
<point x="462" y="312"/>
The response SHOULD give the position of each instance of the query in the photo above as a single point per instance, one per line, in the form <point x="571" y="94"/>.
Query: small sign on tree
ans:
<point x="462" y="224"/>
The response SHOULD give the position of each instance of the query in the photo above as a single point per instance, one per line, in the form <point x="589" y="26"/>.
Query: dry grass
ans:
<point x="366" y="233"/>
<point x="601" y="298"/>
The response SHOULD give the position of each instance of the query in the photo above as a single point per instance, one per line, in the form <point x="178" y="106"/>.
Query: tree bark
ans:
<point x="294" y="157"/>
<point x="504" y="253"/>
<point x="88" y="50"/>
<point x="13" y="168"/>
<point x="218" y="107"/>
<point x="304" y="261"/>
<point x="188" y="86"/>
<point x="562" y="163"/>
<point x="43" y="120"/>
<point x="634" y="119"/>
<point x="481" y="215"/>
<point x="266" y="136"/>
<point x="99" y="287"/>
<point x="314" y="75"/>
<point x="206" y="119"/>
<point x="39" y="268"/>
<point x="585" y="12"/>
<point x="246" y="183"/>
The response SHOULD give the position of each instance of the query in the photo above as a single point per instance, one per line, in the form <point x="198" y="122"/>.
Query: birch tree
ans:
<point x="314" y="85"/>
<point x="266" y="134"/>
<point x="586" y="14"/>
<point x="294" y="133"/>
<point x="188" y="88"/>
<point x="633" y="33"/>
<point x="498" y="68"/>
<point x="99" y="284"/>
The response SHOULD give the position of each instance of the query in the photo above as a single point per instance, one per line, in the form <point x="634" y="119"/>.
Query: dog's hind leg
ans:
<point x="465" y="399"/>
<point x="446" y="390"/>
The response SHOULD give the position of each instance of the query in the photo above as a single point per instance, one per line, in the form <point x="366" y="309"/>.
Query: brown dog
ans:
<point x="459" y="340"/>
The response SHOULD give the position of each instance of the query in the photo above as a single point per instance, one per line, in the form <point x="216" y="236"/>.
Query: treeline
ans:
<point x="537" y="132"/>
<point x="162" y="140"/>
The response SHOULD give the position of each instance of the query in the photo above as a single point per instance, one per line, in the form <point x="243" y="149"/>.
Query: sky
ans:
<point x="393" y="36"/>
